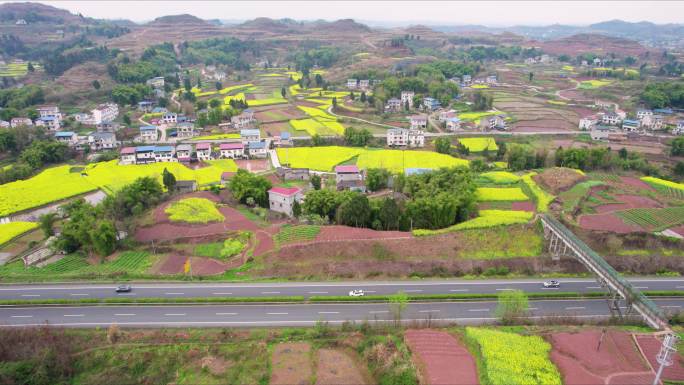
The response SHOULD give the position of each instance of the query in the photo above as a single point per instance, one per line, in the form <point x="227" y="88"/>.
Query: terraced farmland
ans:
<point x="654" y="219"/>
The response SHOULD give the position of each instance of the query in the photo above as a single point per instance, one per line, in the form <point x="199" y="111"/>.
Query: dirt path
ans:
<point x="291" y="364"/>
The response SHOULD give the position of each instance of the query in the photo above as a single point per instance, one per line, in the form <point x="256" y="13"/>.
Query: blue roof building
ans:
<point x="250" y="133"/>
<point x="285" y="135"/>
<point x="163" y="149"/>
<point x="144" y="149"/>
<point x="148" y="128"/>
<point x="64" y="134"/>
<point x="256" y="145"/>
<point x="416" y="171"/>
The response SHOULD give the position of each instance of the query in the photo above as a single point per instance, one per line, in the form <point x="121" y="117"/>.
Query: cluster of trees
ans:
<point x="322" y="57"/>
<point x="435" y="200"/>
<point x="14" y="99"/>
<point x="524" y="157"/>
<point x="224" y="51"/>
<point x="92" y="228"/>
<point x="59" y="62"/>
<point x="33" y="151"/>
<point x="249" y="188"/>
<point x="482" y="101"/>
<point x="664" y="94"/>
<point x="130" y="94"/>
<point x="588" y="159"/>
<point x="428" y="81"/>
<point x="677" y="146"/>
<point x="154" y="61"/>
<point x="357" y="137"/>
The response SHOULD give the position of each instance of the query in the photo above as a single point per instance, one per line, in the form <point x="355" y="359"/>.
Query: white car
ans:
<point x="551" y="284"/>
<point x="356" y="293"/>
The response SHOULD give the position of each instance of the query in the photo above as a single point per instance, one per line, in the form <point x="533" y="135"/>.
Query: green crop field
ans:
<point x="51" y="185"/>
<point x="654" y="219"/>
<point x="513" y="359"/>
<point x="541" y="197"/>
<point x="194" y="210"/>
<point x="500" y="177"/>
<point x="475" y="116"/>
<point x="399" y="160"/>
<point x="291" y="234"/>
<point x="59" y="183"/>
<point x="673" y="189"/>
<point x="479" y="144"/>
<point x="9" y="231"/>
<point x="572" y="197"/>
<point x="129" y="263"/>
<point x="485" y="194"/>
<point x="593" y="84"/>
<point x="326" y="157"/>
<point x="487" y="219"/>
<point x="14" y="70"/>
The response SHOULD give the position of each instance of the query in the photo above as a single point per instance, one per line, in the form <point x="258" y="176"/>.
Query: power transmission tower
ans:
<point x="664" y="357"/>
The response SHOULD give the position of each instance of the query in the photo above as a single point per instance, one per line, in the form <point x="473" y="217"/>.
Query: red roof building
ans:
<point x="285" y="191"/>
<point x="349" y="169"/>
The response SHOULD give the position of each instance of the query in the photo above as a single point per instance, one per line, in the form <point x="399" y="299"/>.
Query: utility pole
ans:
<point x="664" y="357"/>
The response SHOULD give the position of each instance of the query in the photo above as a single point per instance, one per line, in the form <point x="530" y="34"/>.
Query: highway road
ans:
<point x="308" y="289"/>
<point x="255" y="315"/>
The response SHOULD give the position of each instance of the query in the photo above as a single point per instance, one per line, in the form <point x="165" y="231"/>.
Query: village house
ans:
<point x="393" y="105"/>
<point x="495" y="122"/>
<point x="156" y="82"/>
<point x="49" y="122"/>
<point x="203" y="151"/>
<point x="20" y="22"/>
<point x="598" y="62"/>
<point x="104" y="113"/>
<point x="282" y="199"/>
<point x="466" y="80"/>
<point x="587" y="123"/>
<point x="102" y="141"/>
<point x="185" y="130"/>
<point x="630" y="125"/>
<point x="68" y="137"/>
<point x="399" y="137"/>
<point x="679" y="130"/>
<point x="544" y="59"/>
<point x="184" y="153"/>
<point x="164" y="154"/>
<point x="431" y="104"/>
<point x="127" y="156"/>
<point x="364" y="84"/>
<point x="418" y="122"/>
<point x="218" y="76"/>
<point x="244" y="120"/>
<point x="287" y="173"/>
<point x="349" y="178"/>
<point x="611" y="119"/>
<point x="491" y="79"/>
<point x="599" y="133"/>
<point x="18" y="122"/>
<point x="231" y="150"/>
<point x="284" y="139"/>
<point x="250" y="136"/>
<point x="186" y="186"/>
<point x="657" y="123"/>
<point x="49" y="111"/>
<point x="446" y="115"/>
<point x="148" y="134"/>
<point x="4" y="124"/>
<point x="453" y="124"/>
<point x="81" y="117"/>
<point x="407" y="97"/>
<point x="145" y="106"/>
<point x="530" y="60"/>
<point x="643" y="113"/>
<point x="351" y="84"/>
<point x="159" y="110"/>
<point x="257" y="149"/>
<point x="144" y="154"/>
<point x="169" y="118"/>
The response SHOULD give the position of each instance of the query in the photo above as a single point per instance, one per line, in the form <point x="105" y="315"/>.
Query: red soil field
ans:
<point x="172" y="264"/>
<point x="628" y="202"/>
<point x="650" y="346"/>
<point x="549" y="126"/>
<point x="164" y="230"/>
<point x="607" y="222"/>
<point x="340" y="233"/>
<point x="582" y="361"/>
<point x="209" y="266"/>
<point x="523" y="206"/>
<point x="636" y="182"/>
<point x="253" y="165"/>
<point x="441" y="358"/>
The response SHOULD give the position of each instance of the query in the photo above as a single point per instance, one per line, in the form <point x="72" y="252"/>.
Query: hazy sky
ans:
<point x="492" y="13"/>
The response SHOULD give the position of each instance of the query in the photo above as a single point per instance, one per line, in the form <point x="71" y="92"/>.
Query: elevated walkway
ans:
<point x="562" y="241"/>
